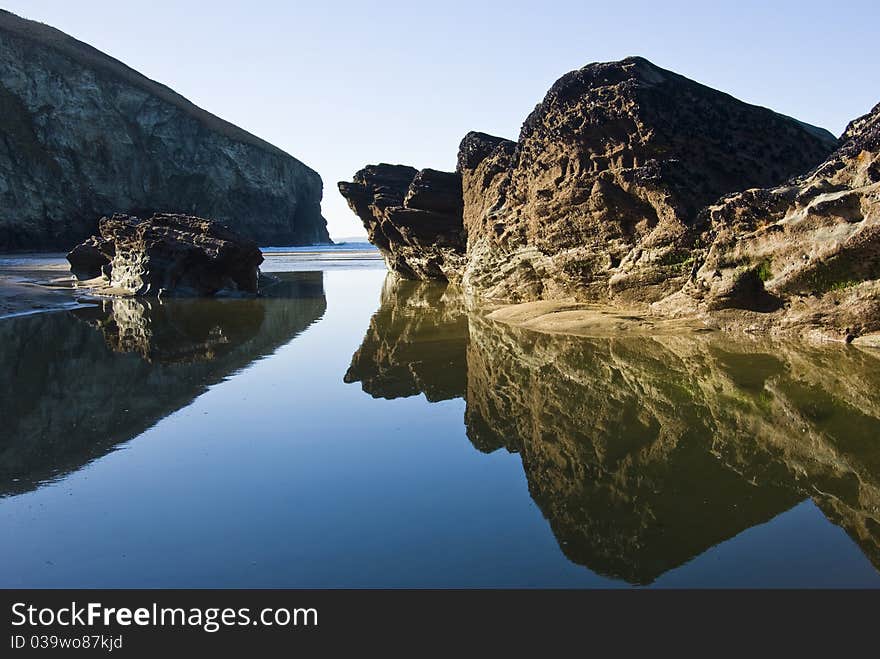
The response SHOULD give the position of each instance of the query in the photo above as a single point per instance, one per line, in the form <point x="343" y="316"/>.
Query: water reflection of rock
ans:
<point x="643" y="452"/>
<point x="79" y="383"/>
<point x="187" y="331"/>
<point x="416" y="343"/>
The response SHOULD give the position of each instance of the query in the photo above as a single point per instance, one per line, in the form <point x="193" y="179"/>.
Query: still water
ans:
<point x="352" y="432"/>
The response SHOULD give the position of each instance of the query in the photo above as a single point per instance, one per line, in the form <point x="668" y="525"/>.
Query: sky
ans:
<point x="343" y="84"/>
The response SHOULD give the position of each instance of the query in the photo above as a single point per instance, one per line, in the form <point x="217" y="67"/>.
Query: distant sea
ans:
<point x="354" y="244"/>
<point x="344" y="252"/>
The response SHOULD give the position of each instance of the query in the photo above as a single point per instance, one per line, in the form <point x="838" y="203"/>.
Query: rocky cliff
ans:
<point x="803" y="257"/>
<point x="413" y="217"/>
<point x="633" y="186"/>
<point x="600" y="197"/>
<point x="82" y="136"/>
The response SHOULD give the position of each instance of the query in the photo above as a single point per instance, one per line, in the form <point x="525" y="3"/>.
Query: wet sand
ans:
<point x="33" y="283"/>
<point x="580" y="319"/>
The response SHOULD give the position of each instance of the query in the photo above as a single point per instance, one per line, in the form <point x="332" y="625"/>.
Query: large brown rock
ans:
<point x="803" y="257"/>
<point x="177" y="255"/>
<point x="413" y="217"/>
<point x="601" y="196"/>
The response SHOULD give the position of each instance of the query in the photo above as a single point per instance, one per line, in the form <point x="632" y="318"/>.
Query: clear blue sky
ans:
<point x="343" y="84"/>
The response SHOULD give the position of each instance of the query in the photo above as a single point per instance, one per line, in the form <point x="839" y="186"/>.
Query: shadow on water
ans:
<point x="644" y="452"/>
<point x="82" y="382"/>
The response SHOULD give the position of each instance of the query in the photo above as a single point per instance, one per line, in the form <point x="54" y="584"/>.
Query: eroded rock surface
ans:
<point x="83" y="136"/>
<point x="601" y="196"/>
<point x="803" y="257"/>
<point x="169" y="254"/>
<point x="413" y="217"/>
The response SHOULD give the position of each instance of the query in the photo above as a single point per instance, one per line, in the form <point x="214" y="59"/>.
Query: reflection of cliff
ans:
<point x="415" y="344"/>
<point x="643" y="452"/>
<point x="80" y="383"/>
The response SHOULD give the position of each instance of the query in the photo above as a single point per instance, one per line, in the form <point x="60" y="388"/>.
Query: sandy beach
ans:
<point x="33" y="283"/>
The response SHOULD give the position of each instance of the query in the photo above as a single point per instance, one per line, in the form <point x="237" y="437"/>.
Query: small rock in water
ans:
<point x="169" y="255"/>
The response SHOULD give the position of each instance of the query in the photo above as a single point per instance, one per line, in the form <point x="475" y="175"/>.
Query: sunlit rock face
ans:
<point x="601" y="194"/>
<point x="644" y="452"/>
<point x="413" y="217"/>
<point x="85" y="136"/>
<point x="803" y="257"/>
<point x="168" y="255"/>
<point x="415" y="344"/>
<point x="86" y="381"/>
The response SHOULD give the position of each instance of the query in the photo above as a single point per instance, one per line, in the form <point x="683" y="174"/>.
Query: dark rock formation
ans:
<point x="633" y="185"/>
<point x="123" y="366"/>
<point x="600" y="197"/>
<point x="177" y="255"/>
<point x="82" y="136"/>
<point x="413" y="217"/>
<point x="803" y="257"/>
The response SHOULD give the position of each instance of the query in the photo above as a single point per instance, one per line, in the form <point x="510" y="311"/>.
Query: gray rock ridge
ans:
<point x="82" y="135"/>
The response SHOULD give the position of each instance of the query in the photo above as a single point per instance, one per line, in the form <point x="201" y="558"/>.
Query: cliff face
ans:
<point x="802" y="257"/>
<point x="413" y="217"/>
<point x="600" y="196"/>
<point x="633" y="186"/>
<point x="82" y="135"/>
